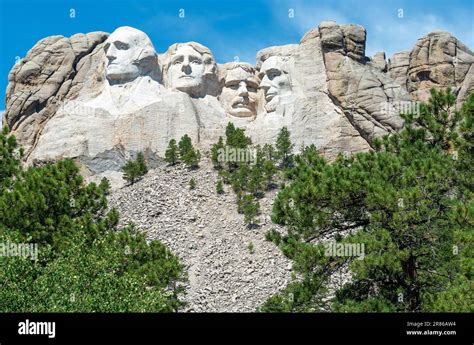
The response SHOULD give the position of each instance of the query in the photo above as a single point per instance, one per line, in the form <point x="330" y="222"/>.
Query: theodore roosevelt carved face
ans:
<point x="239" y="95"/>
<point x="130" y="54"/>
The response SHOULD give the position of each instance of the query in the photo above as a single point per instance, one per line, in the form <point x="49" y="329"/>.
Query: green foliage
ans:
<point x="104" y="186"/>
<point x="172" y="153"/>
<point x="235" y="137"/>
<point x="219" y="187"/>
<point x="249" y="179"/>
<point x="188" y="154"/>
<point x="257" y="180"/>
<point x="216" y="148"/>
<point x="406" y="203"/>
<point x="192" y="183"/>
<point x="284" y="148"/>
<point x="10" y="156"/>
<point x="250" y="209"/>
<point x="85" y="263"/>
<point x="192" y="159"/>
<point x="185" y="145"/>
<point x="94" y="277"/>
<point x="133" y="170"/>
<point x="142" y="167"/>
<point x="251" y="248"/>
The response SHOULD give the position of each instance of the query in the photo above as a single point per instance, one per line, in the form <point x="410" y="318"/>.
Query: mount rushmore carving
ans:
<point x="100" y="98"/>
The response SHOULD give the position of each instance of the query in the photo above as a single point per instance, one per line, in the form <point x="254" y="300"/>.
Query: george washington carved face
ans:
<point x="130" y="54"/>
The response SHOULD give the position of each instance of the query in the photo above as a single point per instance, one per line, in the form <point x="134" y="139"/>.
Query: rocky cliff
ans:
<point x="100" y="98"/>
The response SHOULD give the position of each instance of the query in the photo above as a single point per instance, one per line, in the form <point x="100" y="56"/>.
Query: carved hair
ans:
<point x="147" y="58"/>
<point x="234" y="65"/>
<point x="210" y="66"/>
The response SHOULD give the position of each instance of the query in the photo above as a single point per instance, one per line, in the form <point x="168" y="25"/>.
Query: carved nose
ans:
<point x="186" y="68"/>
<point x="111" y="58"/>
<point x="111" y="53"/>
<point x="265" y="83"/>
<point x="243" y="90"/>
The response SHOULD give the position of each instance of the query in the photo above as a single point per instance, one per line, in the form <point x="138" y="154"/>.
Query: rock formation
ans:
<point x="101" y="98"/>
<point x="438" y="60"/>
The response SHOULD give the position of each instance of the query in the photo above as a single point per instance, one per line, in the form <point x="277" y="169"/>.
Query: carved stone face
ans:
<point x="239" y="95"/>
<point x="275" y="81"/>
<point x="186" y="70"/>
<point x="130" y="54"/>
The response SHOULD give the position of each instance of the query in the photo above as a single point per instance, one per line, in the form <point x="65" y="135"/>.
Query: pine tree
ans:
<point x="215" y="152"/>
<point x="219" y="187"/>
<point x="141" y="164"/>
<point x="185" y="145"/>
<point x="133" y="170"/>
<point x="250" y="209"/>
<point x="189" y="155"/>
<point x="172" y="152"/>
<point x="104" y="186"/>
<point x="269" y="171"/>
<point x="235" y="137"/>
<point x="192" y="183"/>
<point x="284" y="148"/>
<point x="404" y="202"/>
<point x="257" y="183"/>
<point x="10" y="156"/>
<point x="192" y="158"/>
<point x="81" y="264"/>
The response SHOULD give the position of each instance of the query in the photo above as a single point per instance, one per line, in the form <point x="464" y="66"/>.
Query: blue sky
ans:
<point x="228" y="28"/>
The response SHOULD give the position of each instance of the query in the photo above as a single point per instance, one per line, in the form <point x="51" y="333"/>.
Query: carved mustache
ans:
<point x="245" y="101"/>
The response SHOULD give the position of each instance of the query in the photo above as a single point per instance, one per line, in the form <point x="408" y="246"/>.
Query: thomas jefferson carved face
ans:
<point x="130" y="54"/>
<point x="276" y="82"/>
<point x="240" y="92"/>
<point x="189" y="69"/>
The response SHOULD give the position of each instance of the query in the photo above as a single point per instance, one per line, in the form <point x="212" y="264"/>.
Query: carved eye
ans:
<point x="273" y="74"/>
<point x="196" y="62"/>
<point x="251" y="89"/>
<point x="121" y="46"/>
<point x="177" y="62"/>
<point x="233" y="86"/>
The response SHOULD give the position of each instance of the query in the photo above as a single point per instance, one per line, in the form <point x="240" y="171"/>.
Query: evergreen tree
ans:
<point x="257" y="183"/>
<point x="189" y="155"/>
<point x="284" y="148"/>
<point x="10" y="156"/>
<point x="402" y="202"/>
<point x="141" y="164"/>
<point x="192" y="183"/>
<point x="235" y="137"/>
<point x="105" y="186"/>
<point x="185" y="145"/>
<point x="216" y="148"/>
<point x="269" y="171"/>
<point x="130" y="172"/>
<point x="172" y="152"/>
<point x="250" y="209"/>
<point x="82" y="264"/>
<point x="219" y="187"/>
<point x="240" y="178"/>
<point x="133" y="170"/>
<point x="192" y="158"/>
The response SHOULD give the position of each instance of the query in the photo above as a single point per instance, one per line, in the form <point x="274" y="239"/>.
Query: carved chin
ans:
<point x="187" y="85"/>
<point x="115" y="73"/>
